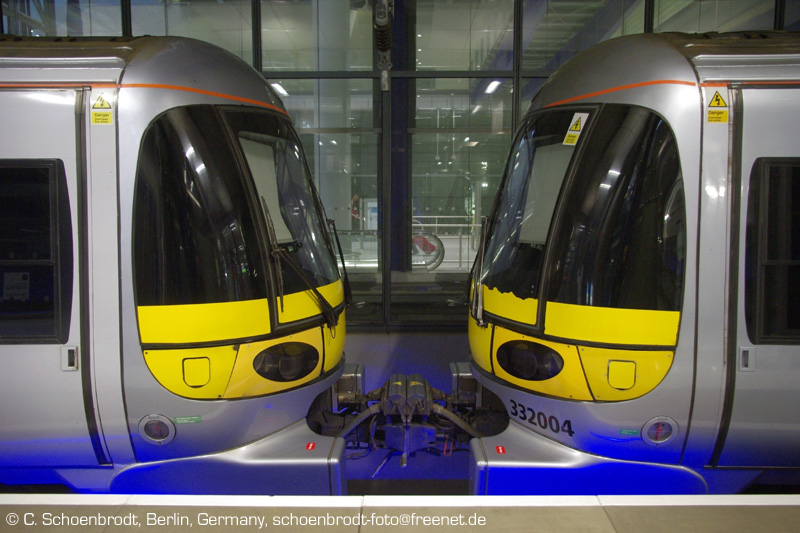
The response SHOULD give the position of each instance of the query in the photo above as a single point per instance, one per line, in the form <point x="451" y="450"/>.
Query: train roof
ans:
<point x="176" y="62"/>
<point x="643" y="59"/>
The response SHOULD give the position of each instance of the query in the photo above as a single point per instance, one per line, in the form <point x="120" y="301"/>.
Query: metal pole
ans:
<point x="256" y="29"/>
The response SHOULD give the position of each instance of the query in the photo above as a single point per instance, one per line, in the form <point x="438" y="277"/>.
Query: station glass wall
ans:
<point x="406" y="173"/>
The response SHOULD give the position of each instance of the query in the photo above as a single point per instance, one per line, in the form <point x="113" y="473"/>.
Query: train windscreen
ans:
<point x="284" y="188"/>
<point x="209" y="182"/>
<point x="609" y="222"/>
<point x="532" y="181"/>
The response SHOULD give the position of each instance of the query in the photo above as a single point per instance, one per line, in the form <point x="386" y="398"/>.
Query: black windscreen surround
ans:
<point x="609" y="219"/>
<point x="532" y="181"/>
<point x="218" y="191"/>
<point x="621" y="237"/>
<point x="285" y="191"/>
<point x="194" y="232"/>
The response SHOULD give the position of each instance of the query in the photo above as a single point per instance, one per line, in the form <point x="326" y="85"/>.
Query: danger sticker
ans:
<point x="717" y="109"/>
<point x="576" y="126"/>
<point x="102" y="117"/>
<point x="101" y="103"/>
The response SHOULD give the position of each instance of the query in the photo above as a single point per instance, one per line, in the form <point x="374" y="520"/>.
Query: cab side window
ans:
<point x="35" y="252"/>
<point x="772" y="252"/>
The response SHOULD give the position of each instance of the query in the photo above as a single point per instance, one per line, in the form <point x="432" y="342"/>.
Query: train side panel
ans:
<point x="762" y="428"/>
<point x="42" y="293"/>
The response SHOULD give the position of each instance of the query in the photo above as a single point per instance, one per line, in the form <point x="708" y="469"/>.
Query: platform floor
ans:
<point x="602" y="514"/>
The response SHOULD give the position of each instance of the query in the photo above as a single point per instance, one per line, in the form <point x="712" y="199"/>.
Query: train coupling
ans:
<point x="407" y="414"/>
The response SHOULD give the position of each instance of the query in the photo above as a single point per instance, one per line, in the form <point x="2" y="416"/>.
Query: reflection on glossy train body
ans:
<point x="633" y="303"/>
<point x="171" y="302"/>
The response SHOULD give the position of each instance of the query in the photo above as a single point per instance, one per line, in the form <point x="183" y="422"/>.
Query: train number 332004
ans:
<point x="550" y="423"/>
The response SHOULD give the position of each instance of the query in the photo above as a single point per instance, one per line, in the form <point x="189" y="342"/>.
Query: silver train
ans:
<point x="635" y="303"/>
<point x="171" y="302"/>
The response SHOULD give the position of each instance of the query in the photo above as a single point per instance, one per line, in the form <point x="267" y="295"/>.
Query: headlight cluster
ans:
<point x="288" y="361"/>
<point x="528" y="360"/>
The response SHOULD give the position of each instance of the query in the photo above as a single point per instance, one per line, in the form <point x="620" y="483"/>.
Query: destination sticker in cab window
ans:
<point x="576" y="126"/>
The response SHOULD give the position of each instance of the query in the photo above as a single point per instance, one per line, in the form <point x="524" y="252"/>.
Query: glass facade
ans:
<point x="556" y="30"/>
<point x="226" y="24"/>
<point x="466" y="35"/>
<point x="329" y="35"/>
<point x="714" y="15"/>
<point x="407" y="161"/>
<point x="458" y="138"/>
<point x="61" y="17"/>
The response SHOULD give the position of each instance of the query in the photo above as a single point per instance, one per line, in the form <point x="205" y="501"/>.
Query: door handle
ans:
<point x="747" y="359"/>
<point x="69" y="358"/>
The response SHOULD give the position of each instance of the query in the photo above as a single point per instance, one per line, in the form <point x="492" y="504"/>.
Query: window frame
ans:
<point x="61" y="251"/>
<point x="757" y="260"/>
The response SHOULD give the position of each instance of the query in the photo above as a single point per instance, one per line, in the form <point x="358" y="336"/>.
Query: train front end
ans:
<point x="233" y="296"/>
<point x="579" y="289"/>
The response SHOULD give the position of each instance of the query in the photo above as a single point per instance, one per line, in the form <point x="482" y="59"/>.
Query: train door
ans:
<point x="763" y="429"/>
<point x="45" y="380"/>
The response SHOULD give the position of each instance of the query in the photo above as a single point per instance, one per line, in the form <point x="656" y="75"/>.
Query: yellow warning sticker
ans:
<point x="576" y="126"/>
<point x="717" y="101"/>
<point x="102" y="117"/>
<point x="718" y="109"/>
<point x="101" y="103"/>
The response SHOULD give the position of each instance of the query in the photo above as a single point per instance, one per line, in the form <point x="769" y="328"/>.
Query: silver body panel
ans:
<point x="676" y="76"/>
<point x="31" y="424"/>
<point x="765" y="422"/>
<point x="518" y="462"/>
<point x="44" y="427"/>
<point x="294" y="461"/>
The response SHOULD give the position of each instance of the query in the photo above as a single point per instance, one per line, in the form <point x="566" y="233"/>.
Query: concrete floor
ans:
<point x="602" y="514"/>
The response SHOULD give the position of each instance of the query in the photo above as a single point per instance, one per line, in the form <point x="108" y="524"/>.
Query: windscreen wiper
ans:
<point x="477" y="270"/>
<point x="348" y="292"/>
<point x="282" y="254"/>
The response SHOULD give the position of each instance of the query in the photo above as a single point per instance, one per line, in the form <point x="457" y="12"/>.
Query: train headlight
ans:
<point x="156" y="429"/>
<point x="659" y="430"/>
<point x="528" y="360"/>
<point x="288" y="361"/>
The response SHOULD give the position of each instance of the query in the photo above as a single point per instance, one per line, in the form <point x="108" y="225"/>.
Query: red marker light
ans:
<point x="311" y="445"/>
<point x="501" y="450"/>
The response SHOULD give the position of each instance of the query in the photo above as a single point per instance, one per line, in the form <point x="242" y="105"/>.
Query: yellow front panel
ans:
<point x="200" y="373"/>
<point x="622" y="374"/>
<point x="569" y="383"/>
<point x="612" y="326"/>
<point x="245" y="382"/>
<point x="506" y="305"/>
<point x="301" y="305"/>
<point x="194" y="323"/>
<point x="197" y="371"/>
<point x="334" y="344"/>
<point x="651" y="368"/>
<point x="480" y="344"/>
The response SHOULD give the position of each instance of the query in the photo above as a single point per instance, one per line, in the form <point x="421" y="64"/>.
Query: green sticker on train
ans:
<point x="188" y="419"/>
